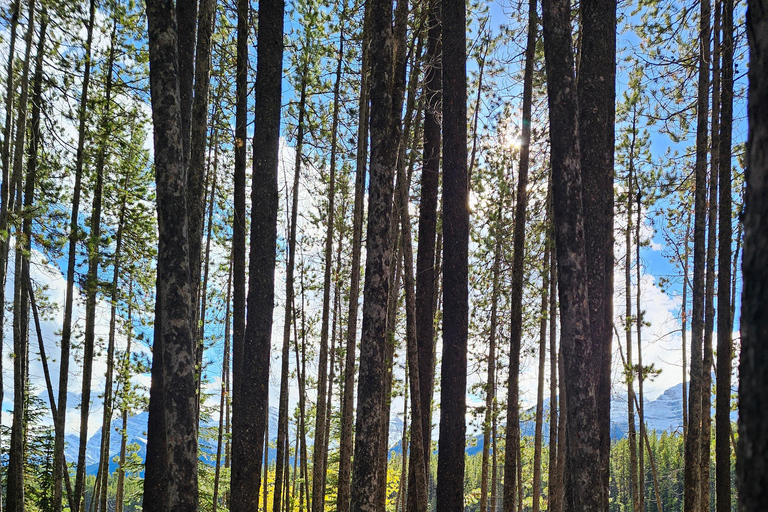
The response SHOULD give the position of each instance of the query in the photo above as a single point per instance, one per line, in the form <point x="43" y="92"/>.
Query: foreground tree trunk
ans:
<point x="596" y="125"/>
<point x="453" y="376"/>
<point x="366" y="478"/>
<point x="252" y="394"/>
<point x="752" y="454"/>
<point x="170" y="481"/>
<point x="586" y="487"/>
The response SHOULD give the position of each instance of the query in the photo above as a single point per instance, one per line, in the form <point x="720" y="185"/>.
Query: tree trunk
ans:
<point x="554" y="484"/>
<point x="724" y="295"/>
<point x="16" y="458"/>
<point x="692" y="490"/>
<point x="540" y="389"/>
<point x="582" y="353"/>
<point x="490" y="391"/>
<point x="318" y="470"/>
<point x="370" y="407"/>
<point x="282" y="415"/>
<point x="752" y="451"/>
<point x="222" y="409"/>
<point x="425" y="254"/>
<point x="453" y="376"/>
<point x="640" y="368"/>
<point x="347" y="412"/>
<point x="252" y="395"/>
<point x="684" y="322"/>
<point x="596" y="91"/>
<point x="170" y="481"/>
<point x="66" y="331"/>
<point x="100" y="161"/>
<point x="518" y="259"/>
<point x="125" y="373"/>
<point x="629" y="368"/>
<point x="198" y="142"/>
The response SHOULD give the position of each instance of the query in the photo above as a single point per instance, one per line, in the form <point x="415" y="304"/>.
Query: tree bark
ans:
<point x="596" y="90"/>
<point x="16" y="457"/>
<point x="582" y="353"/>
<point x="224" y="398"/>
<point x="453" y="376"/>
<point x="370" y="407"/>
<point x="252" y="395"/>
<point x="629" y="368"/>
<point x="125" y="373"/>
<point x="171" y="465"/>
<point x="347" y="412"/>
<point x="66" y="331"/>
<point x="540" y="389"/>
<point x="490" y="392"/>
<point x="518" y="259"/>
<point x="320" y="447"/>
<point x="724" y="294"/>
<point x="282" y="415"/>
<point x="752" y="450"/>
<point x="693" y="478"/>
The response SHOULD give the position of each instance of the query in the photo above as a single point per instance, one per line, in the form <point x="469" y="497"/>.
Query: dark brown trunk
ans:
<point x="198" y="143"/>
<point x="425" y="255"/>
<point x="16" y="457"/>
<point x="640" y="368"/>
<point x="684" y="324"/>
<point x="725" y="297"/>
<point x="540" y="390"/>
<point x="252" y="394"/>
<point x="171" y="465"/>
<point x="553" y="498"/>
<point x="223" y="399"/>
<point x="347" y="412"/>
<point x="518" y="259"/>
<point x="282" y="415"/>
<point x="125" y="373"/>
<point x="66" y="331"/>
<point x="453" y="376"/>
<point x="586" y="486"/>
<point x="370" y="402"/>
<point x="320" y="447"/>
<point x="596" y="90"/>
<point x="692" y="489"/>
<point x="629" y="368"/>
<point x="752" y="451"/>
<point x="490" y="391"/>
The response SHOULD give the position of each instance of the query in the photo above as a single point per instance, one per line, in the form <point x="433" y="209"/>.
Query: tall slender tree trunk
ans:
<point x="629" y="368"/>
<point x="555" y="482"/>
<point x="426" y="277"/>
<point x="684" y="324"/>
<point x="347" y="412"/>
<point x="125" y="374"/>
<point x="640" y="368"/>
<point x="16" y="457"/>
<point x="223" y="400"/>
<point x="453" y="376"/>
<point x="282" y="415"/>
<point x="320" y="448"/>
<point x="490" y="395"/>
<point x="4" y="189"/>
<point x="100" y="162"/>
<point x="540" y="389"/>
<point x="252" y="395"/>
<point x="725" y="298"/>
<point x="366" y="477"/>
<point x="518" y="259"/>
<point x="66" y="331"/>
<point x="693" y="477"/>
